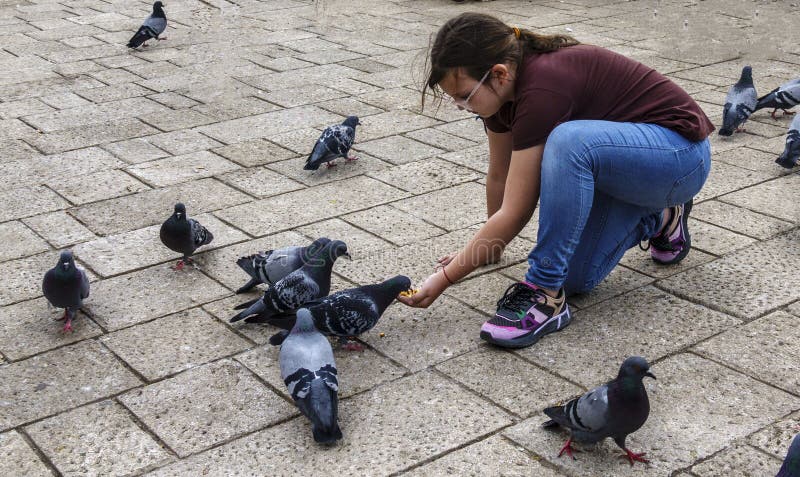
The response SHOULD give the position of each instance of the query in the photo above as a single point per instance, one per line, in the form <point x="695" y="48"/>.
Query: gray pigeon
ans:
<point x="615" y="409"/>
<point x="791" y="465"/>
<point x="270" y="266"/>
<point x="309" y="282"/>
<point x="153" y="26"/>
<point x="309" y="371"/>
<point x="350" y="312"/>
<point x="739" y="104"/>
<point x="183" y="235"/>
<point x="783" y="97"/>
<point x="791" y="152"/>
<point x="66" y="286"/>
<point x="334" y="142"/>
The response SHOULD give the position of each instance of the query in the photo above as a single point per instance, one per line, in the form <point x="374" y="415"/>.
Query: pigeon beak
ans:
<point x="65" y="264"/>
<point x="347" y="254"/>
<point x="649" y="374"/>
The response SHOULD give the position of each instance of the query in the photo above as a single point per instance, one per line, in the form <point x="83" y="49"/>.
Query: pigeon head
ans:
<point x="747" y="76"/>
<point x="66" y="261"/>
<point x="158" y="6"/>
<point x="635" y="367"/>
<point x="339" y="249"/>
<point x="180" y="211"/>
<point x="351" y="121"/>
<point x="398" y="284"/>
<point x="304" y="322"/>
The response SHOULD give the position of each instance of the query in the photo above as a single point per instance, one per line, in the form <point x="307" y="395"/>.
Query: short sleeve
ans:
<point x="497" y="123"/>
<point x="537" y="113"/>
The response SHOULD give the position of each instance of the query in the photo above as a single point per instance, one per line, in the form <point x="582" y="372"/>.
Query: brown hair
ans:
<point x="475" y="42"/>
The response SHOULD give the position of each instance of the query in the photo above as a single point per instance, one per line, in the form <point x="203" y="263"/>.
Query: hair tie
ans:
<point x="516" y="32"/>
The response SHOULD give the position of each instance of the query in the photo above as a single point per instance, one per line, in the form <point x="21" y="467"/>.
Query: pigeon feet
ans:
<point x="352" y="346"/>
<point x="330" y="164"/>
<point x="183" y="262"/>
<point x="788" y="113"/>
<point x="351" y="158"/>
<point x="67" y="326"/>
<point x="740" y="129"/>
<point x="634" y="457"/>
<point x="568" y="449"/>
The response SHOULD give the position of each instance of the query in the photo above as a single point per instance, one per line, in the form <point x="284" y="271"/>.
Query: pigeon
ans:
<point x="307" y="283"/>
<point x="66" y="286"/>
<point x="184" y="235"/>
<point x="791" y="152"/>
<point x="270" y="266"/>
<point x="615" y="409"/>
<point x="791" y="465"/>
<point x="739" y="104"/>
<point x="350" y="312"/>
<point x="309" y="371"/>
<point x="153" y="26"/>
<point x="334" y="142"/>
<point x="783" y="97"/>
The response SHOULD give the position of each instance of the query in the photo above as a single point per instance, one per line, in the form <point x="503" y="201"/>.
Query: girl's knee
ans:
<point x="565" y="148"/>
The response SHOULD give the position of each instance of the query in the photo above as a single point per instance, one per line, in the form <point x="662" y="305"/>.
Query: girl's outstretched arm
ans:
<point x="520" y="196"/>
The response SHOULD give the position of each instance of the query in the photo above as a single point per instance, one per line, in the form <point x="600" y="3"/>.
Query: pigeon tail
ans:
<point x="321" y="407"/>
<point x="142" y="35"/>
<point x="256" y="308"/>
<point x="558" y="417"/>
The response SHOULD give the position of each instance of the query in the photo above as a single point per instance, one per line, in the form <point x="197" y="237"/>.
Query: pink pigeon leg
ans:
<point x="634" y="457"/>
<point x="568" y="449"/>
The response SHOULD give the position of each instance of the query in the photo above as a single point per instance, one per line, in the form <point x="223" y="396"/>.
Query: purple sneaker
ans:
<point x="674" y="246"/>
<point x="524" y="315"/>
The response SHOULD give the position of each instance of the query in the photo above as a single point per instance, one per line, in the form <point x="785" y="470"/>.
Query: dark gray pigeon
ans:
<point x="309" y="372"/>
<point x="334" y="142"/>
<point x="66" y="286"/>
<point x="785" y="96"/>
<point x="270" y="266"/>
<point x="309" y="282"/>
<point x="153" y="26"/>
<point x="791" y="465"/>
<point x="615" y="409"/>
<point x="739" y="104"/>
<point x="183" y="235"/>
<point x="350" y="312"/>
<point x="791" y="153"/>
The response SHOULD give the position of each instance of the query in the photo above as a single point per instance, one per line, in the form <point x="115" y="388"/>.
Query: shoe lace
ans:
<point x="662" y="243"/>
<point x="518" y="296"/>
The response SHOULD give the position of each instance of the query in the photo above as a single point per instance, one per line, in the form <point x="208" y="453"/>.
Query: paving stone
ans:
<point x="77" y="138"/>
<point x="140" y="248"/>
<point x="739" y="219"/>
<point x="746" y="284"/>
<point x="291" y="97"/>
<point x="88" y="115"/>
<point x="349" y="107"/>
<point x="233" y="108"/>
<point x="254" y="152"/>
<point x="135" y="151"/>
<point x="301" y="141"/>
<point x="173" y="120"/>
<point x="20" y="240"/>
<point x="15" y="109"/>
<point x="425" y="175"/>
<point x="233" y="401"/>
<point x="150" y="293"/>
<point x="174" y="343"/>
<point x="725" y="178"/>
<point x="260" y="182"/>
<point x="466" y="128"/>
<point x="440" y="139"/>
<point x="452" y="209"/>
<point x="358" y="371"/>
<point x="31" y="327"/>
<point x="766" y="348"/>
<point x="97" y="440"/>
<point x="476" y="157"/>
<point x="777" y="438"/>
<point x="268" y="124"/>
<point x="59" y="167"/>
<point x="738" y="461"/>
<point x="686" y="408"/>
<point x="641" y="261"/>
<point x="59" y="228"/>
<point x="279" y="213"/>
<point x="223" y="310"/>
<point x="154" y="206"/>
<point x="775" y="198"/>
<point x="393" y="122"/>
<point x="646" y="322"/>
<point x="27" y="201"/>
<point x="182" y="142"/>
<point x="516" y="389"/>
<point x="96" y="186"/>
<point x="173" y="100"/>
<point x="114" y="92"/>
<point x="18" y="458"/>
<point x="377" y="440"/>
<point x="182" y="169"/>
<point x="752" y="159"/>
<point x="340" y="169"/>
<point x="393" y="225"/>
<point x="59" y="380"/>
<point x="716" y="240"/>
<point x="360" y="244"/>
<point x="64" y="100"/>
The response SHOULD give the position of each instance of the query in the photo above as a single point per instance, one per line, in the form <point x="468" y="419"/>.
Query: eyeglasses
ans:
<point x="464" y="103"/>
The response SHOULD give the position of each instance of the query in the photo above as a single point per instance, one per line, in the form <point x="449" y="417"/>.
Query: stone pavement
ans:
<point x="98" y="144"/>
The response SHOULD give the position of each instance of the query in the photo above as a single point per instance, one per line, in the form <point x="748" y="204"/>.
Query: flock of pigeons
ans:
<point x="742" y="101"/>
<point x="298" y="300"/>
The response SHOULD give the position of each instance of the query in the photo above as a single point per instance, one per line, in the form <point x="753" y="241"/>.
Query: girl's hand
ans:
<point x="430" y="290"/>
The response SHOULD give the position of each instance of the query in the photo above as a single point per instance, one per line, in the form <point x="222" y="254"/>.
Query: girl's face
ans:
<point x="483" y="97"/>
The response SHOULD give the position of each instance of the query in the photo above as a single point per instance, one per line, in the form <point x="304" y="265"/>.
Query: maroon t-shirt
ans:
<point x="589" y="82"/>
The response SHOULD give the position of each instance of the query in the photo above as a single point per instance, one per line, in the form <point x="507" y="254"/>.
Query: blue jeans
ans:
<point x="604" y="186"/>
